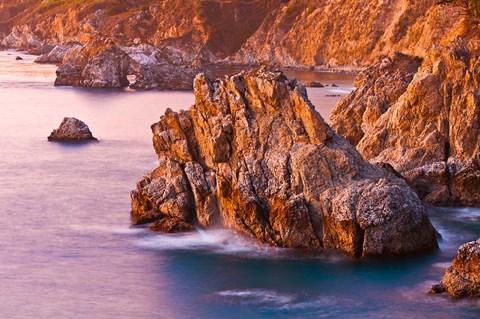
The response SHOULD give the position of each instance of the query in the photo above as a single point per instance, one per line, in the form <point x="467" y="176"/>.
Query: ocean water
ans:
<point x="67" y="249"/>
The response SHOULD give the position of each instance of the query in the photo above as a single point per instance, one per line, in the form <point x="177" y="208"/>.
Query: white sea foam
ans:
<point x="258" y="296"/>
<point x="216" y="241"/>
<point x="279" y="301"/>
<point x="111" y="229"/>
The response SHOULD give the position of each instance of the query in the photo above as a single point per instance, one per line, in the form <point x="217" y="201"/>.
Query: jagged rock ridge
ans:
<point x="425" y="122"/>
<point x="253" y="155"/>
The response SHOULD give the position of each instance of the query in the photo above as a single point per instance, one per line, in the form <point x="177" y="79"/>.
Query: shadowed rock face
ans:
<point x="253" y="155"/>
<point x="462" y="279"/>
<point x="72" y="130"/>
<point x="425" y="123"/>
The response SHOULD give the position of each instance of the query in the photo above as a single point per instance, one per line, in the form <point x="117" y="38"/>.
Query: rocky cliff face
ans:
<point x="300" y="33"/>
<point x="462" y="279"/>
<point x="425" y="122"/>
<point x="253" y="155"/>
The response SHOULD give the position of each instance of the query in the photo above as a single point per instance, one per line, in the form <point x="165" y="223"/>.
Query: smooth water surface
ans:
<point x="67" y="251"/>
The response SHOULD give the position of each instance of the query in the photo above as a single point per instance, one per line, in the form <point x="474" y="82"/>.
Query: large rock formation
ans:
<point x="425" y="123"/>
<point x="462" y="279"/>
<point x="72" y="130"/>
<point x="101" y="64"/>
<point x="21" y="38"/>
<point x="253" y="155"/>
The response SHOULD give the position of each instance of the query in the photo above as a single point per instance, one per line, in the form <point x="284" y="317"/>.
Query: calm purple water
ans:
<point x="67" y="251"/>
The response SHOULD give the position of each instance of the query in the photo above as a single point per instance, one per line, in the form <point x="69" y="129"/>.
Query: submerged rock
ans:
<point x="171" y="225"/>
<point x="254" y="156"/>
<point x="423" y="118"/>
<point x="462" y="279"/>
<point x="72" y="130"/>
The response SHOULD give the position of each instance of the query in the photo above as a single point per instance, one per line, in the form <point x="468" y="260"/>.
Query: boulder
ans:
<point x="462" y="279"/>
<point x="72" y="130"/>
<point x="18" y="58"/>
<point x="100" y="64"/>
<point x="253" y="155"/>
<point x="423" y="118"/>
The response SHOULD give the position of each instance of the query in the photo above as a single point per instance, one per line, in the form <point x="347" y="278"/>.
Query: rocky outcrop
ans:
<point x="56" y="55"/>
<point x="425" y="123"/>
<point x="462" y="279"/>
<point x="21" y="38"/>
<point x="253" y="155"/>
<point x="101" y="64"/>
<point x="377" y="88"/>
<point x="72" y="130"/>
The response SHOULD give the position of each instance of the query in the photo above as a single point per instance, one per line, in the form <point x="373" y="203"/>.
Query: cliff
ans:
<point x="253" y="155"/>
<point x="300" y="33"/>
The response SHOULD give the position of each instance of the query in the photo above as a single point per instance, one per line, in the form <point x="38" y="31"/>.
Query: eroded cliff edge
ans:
<point x="253" y="155"/>
<point x="423" y="118"/>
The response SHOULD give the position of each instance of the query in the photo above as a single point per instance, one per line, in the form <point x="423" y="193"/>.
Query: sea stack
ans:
<point x="253" y="155"/>
<point x="72" y="130"/>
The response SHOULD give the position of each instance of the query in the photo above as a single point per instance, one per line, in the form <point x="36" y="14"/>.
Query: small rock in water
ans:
<point x="72" y="130"/>
<point x="171" y="225"/>
<point x="314" y="84"/>
<point x="18" y="58"/>
<point x="334" y="85"/>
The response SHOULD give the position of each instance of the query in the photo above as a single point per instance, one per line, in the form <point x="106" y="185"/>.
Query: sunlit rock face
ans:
<point x="424" y="122"/>
<point x="254" y="156"/>
<point x="462" y="279"/>
<point x="300" y="33"/>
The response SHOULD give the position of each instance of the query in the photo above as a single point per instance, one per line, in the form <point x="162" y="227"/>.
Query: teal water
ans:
<point x="67" y="249"/>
